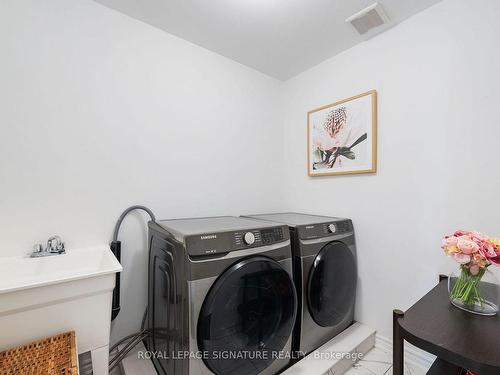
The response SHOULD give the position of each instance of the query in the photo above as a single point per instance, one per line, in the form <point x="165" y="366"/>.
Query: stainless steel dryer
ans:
<point x="325" y="274"/>
<point x="221" y="296"/>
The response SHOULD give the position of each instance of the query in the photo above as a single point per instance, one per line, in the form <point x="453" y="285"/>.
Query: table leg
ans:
<point x="397" y="344"/>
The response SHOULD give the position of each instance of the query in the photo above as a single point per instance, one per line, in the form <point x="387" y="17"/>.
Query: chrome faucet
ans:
<point x="55" y="246"/>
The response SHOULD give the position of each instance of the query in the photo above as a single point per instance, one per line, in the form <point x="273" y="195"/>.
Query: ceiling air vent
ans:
<point x="369" y="18"/>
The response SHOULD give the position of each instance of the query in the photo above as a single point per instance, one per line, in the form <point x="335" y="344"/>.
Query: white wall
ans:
<point x="437" y="76"/>
<point x="99" y="111"/>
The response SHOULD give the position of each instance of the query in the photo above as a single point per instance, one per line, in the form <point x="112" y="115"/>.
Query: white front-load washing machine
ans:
<point x="221" y="296"/>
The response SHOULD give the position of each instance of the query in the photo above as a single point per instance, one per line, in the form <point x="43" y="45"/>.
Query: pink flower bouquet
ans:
<point x="474" y="252"/>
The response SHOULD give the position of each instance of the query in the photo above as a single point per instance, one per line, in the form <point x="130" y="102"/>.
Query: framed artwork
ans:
<point x="342" y="137"/>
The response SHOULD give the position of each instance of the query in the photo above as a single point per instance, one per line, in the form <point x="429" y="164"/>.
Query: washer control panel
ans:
<point x="258" y="237"/>
<point x="272" y="235"/>
<point x="325" y="229"/>
<point x="225" y="242"/>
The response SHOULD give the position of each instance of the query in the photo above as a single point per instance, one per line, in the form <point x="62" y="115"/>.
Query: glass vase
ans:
<point x="478" y="294"/>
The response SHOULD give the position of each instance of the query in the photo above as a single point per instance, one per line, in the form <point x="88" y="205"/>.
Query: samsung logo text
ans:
<point x="209" y="237"/>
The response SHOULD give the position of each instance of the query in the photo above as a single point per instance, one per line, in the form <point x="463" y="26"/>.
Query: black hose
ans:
<point x="131" y="345"/>
<point x="116" y="248"/>
<point x="137" y="337"/>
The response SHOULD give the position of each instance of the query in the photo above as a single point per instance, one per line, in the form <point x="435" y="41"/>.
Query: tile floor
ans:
<point x="379" y="362"/>
<point x="376" y="362"/>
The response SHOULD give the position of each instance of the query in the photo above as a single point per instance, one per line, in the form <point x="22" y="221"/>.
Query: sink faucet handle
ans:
<point x="60" y="247"/>
<point x="37" y="248"/>
<point x="55" y="244"/>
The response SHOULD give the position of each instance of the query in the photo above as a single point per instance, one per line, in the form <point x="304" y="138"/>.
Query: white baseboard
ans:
<point x="413" y="355"/>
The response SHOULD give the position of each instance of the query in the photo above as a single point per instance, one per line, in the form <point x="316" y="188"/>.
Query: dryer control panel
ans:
<point x="325" y="229"/>
<point x="224" y="242"/>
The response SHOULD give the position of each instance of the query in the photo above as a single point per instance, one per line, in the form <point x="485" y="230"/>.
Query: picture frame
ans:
<point x="342" y="137"/>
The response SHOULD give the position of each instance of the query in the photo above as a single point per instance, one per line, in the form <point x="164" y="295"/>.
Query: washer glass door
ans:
<point x="331" y="289"/>
<point x="247" y="317"/>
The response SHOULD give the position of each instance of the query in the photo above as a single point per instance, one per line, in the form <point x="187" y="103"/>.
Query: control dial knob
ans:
<point x="249" y="238"/>
<point x="332" y="228"/>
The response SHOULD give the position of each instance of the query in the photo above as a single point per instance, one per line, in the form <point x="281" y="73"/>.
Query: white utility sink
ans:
<point x="44" y="296"/>
<point x="17" y="273"/>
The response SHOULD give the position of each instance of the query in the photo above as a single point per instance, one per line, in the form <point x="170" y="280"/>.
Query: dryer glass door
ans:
<point x="247" y="317"/>
<point x="331" y="287"/>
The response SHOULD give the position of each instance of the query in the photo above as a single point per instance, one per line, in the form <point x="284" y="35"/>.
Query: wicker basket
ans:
<point x="53" y="355"/>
